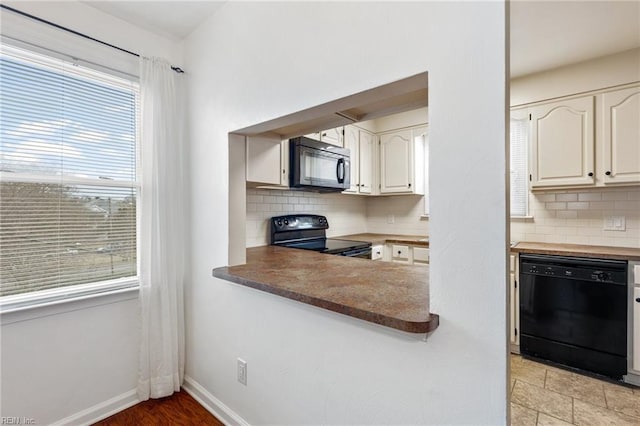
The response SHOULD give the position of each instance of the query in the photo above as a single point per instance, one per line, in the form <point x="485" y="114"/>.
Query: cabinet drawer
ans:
<point x="420" y="255"/>
<point x="376" y="252"/>
<point x="400" y="252"/>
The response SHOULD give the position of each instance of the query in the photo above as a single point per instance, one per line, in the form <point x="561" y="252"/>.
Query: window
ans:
<point x="519" y="137"/>
<point x="68" y="181"/>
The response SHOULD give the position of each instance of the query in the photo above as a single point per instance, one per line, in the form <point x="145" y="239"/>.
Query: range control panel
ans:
<point x="298" y="222"/>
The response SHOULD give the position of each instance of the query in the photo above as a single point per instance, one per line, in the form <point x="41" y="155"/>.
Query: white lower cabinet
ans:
<point x="406" y="254"/>
<point x="400" y="253"/>
<point x="514" y="304"/>
<point x="377" y="252"/>
<point x="420" y="256"/>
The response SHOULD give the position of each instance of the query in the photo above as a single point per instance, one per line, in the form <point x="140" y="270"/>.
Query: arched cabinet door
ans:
<point x="621" y="136"/>
<point x="562" y="143"/>
<point x="396" y="155"/>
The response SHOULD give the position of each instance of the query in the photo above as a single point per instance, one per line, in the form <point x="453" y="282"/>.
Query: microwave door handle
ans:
<point x="340" y="170"/>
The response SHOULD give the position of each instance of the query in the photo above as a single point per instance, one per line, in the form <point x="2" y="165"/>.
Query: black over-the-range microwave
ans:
<point x="318" y="166"/>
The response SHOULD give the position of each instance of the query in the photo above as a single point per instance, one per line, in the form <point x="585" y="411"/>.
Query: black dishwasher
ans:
<point x="573" y="311"/>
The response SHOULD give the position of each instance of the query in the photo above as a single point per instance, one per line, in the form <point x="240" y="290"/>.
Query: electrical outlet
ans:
<point x="242" y="371"/>
<point x="614" y="223"/>
<point x="391" y="218"/>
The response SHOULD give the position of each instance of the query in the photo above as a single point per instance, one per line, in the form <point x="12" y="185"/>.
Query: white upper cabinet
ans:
<point x="361" y="145"/>
<point x="267" y="161"/>
<point x="402" y="162"/>
<point x="621" y="136"/>
<point x="366" y="162"/>
<point x="330" y="136"/>
<point x="562" y="143"/>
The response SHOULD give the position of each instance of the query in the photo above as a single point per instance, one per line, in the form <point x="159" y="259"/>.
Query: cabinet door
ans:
<point x="636" y="329"/>
<point x="315" y="136"/>
<point x="395" y="162"/>
<point x="420" y="256"/>
<point x="366" y="147"/>
<point x="621" y="136"/>
<point x="563" y="143"/>
<point x="284" y="162"/>
<point x="333" y="136"/>
<point x="351" y="142"/>
<point x="264" y="157"/>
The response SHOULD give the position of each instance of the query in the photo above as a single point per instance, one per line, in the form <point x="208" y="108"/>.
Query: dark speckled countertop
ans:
<point x="414" y="240"/>
<point x="604" y="252"/>
<point x="384" y="293"/>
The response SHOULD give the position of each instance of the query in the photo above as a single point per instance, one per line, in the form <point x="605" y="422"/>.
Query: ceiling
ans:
<point x="171" y="19"/>
<point x="544" y="34"/>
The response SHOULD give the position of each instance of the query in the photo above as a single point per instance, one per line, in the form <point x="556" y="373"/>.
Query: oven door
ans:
<point x="320" y="166"/>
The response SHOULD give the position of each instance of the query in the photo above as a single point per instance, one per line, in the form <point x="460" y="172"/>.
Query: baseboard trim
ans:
<point x="225" y="414"/>
<point x="101" y="411"/>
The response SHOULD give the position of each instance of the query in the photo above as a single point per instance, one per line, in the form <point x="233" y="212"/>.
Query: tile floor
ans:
<point x="543" y="395"/>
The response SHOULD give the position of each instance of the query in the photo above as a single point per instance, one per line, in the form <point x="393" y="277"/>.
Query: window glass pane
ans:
<point x="519" y="175"/>
<point x="68" y="192"/>
<point x="55" y="123"/>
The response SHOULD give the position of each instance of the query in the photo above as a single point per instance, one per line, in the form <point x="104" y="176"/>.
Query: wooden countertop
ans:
<point x="414" y="240"/>
<point x="603" y="252"/>
<point x="384" y="293"/>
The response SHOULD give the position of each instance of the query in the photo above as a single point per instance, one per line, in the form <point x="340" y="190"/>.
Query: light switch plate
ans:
<point x="614" y="223"/>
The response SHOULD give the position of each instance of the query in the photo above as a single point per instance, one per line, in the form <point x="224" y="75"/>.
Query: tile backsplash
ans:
<point x="346" y="214"/>
<point x="578" y="216"/>
<point x="574" y="217"/>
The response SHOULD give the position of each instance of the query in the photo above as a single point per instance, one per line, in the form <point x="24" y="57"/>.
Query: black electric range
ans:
<point x="308" y="232"/>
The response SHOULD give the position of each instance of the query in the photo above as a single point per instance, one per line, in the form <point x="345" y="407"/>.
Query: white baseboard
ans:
<point x="101" y="411"/>
<point x="225" y="414"/>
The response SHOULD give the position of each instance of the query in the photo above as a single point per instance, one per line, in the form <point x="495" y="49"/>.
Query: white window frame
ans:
<point x="521" y="115"/>
<point x="80" y="295"/>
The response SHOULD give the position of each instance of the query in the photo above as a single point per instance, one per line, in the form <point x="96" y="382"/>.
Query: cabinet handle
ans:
<point x="608" y="173"/>
<point x="590" y="173"/>
<point x="324" y="135"/>
<point x="638" y="299"/>
<point x="409" y="185"/>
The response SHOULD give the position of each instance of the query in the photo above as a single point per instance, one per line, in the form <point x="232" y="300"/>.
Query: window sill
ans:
<point x="521" y="218"/>
<point x="26" y="307"/>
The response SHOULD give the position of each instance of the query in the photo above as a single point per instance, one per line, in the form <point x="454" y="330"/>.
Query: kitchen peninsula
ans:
<point x="392" y="295"/>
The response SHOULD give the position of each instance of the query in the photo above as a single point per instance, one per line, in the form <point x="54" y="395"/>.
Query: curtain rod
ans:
<point x="69" y="30"/>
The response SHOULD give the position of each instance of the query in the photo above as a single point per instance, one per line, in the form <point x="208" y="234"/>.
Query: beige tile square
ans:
<point x="528" y="371"/>
<point x="542" y="400"/>
<point x="623" y="402"/>
<point x="522" y="416"/>
<point x="576" y="386"/>
<point x="546" y="420"/>
<point x="619" y="388"/>
<point x="589" y="415"/>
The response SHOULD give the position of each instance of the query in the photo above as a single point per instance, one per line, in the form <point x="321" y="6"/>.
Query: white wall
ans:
<point x="257" y="61"/>
<point x="67" y="362"/>
<point x="406" y="211"/>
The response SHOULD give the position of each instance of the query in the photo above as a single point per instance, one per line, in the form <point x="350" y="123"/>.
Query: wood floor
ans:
<point x="177" y="409"/>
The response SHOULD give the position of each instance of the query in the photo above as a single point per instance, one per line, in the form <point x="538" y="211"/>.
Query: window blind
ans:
<point x="519" y="137"/>
<point x="68" y="181"/>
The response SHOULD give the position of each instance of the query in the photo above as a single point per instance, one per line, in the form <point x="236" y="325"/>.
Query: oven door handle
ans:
<point x="340" y="170"/>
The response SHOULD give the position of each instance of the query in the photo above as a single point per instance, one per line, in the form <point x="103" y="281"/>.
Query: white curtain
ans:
<point x="162" y="231"/>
